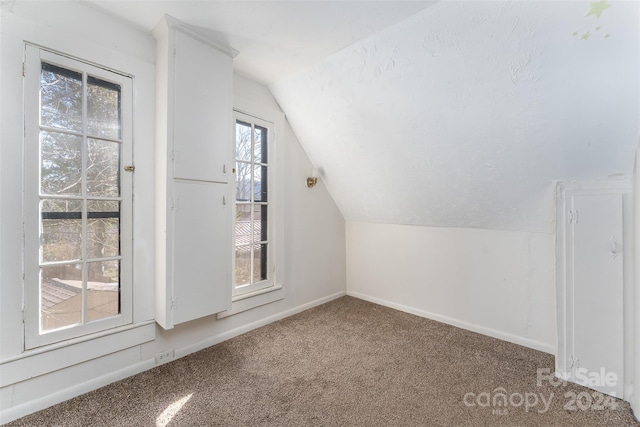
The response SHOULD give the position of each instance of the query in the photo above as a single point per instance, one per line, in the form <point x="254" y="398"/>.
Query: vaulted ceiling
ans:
<point x="451" y="113"/>
<point x="274" y="37"/>
<point x="464" y="114"/>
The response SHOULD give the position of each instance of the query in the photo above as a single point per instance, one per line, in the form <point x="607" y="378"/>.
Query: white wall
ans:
<point x="499" y="283"/>
<point x="635" y="401"/>
<point x="314" y="235"/>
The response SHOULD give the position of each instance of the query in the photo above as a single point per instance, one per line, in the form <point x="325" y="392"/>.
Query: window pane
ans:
<point x="60" y="296"/>
<point x="243" y="225"/>
<point x="103" y="228"/>
<point x="60" y="163"/>
<point x="103" y="168"/>
<point x="260" y="183"/>
<point x="61" y="237"/>
<point x="103" y="108"/>
<point x="243" y="182"/>
<point x="60" y="98"/>
<point x="259" y="263"/>
<point x="260" y="223"/>
<point x="243" y="141"/>
<point x="103" y="289"/>
<point x="260" y="144"/>
<point x="243" y="265"/>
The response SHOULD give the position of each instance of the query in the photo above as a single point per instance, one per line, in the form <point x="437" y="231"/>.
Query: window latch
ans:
<point x="130" y="168"/>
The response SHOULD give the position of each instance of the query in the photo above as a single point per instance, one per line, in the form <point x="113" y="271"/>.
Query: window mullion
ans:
<point x="85" y="162"/>
<point x="252" y="198"/>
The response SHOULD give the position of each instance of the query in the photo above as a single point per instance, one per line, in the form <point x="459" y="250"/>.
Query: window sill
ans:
<point x="252" y="300"/>
<point x="40" y="361"/>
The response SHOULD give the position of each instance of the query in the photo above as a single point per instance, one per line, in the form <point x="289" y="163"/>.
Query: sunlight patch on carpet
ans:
<point x="167" y="415"/>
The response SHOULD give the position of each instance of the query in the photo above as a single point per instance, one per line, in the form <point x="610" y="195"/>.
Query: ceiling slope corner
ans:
<point x="168" y="21"/>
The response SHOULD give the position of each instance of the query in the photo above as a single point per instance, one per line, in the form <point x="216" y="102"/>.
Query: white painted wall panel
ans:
<point x="499" y="283"/>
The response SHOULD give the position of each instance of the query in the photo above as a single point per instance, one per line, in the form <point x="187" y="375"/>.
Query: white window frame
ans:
<point x="34" y="56"/>
<point x="274" y="289"/>
<point x="269" y="282"/>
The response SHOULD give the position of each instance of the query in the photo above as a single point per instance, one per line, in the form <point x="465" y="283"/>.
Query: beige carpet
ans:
<point x="345" y="363"/>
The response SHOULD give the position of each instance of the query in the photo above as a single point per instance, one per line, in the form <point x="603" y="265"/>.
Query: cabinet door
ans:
<point x="598" y="290"/>
<point x="201" y="250"/>
<point x="202" y="121"/>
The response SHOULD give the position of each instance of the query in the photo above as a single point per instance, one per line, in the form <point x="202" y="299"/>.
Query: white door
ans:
<point x="597" y="269"/>
<point x="201" y="255"/>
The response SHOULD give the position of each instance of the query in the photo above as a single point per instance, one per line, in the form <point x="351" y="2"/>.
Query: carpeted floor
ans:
<point x="345" y="363"/>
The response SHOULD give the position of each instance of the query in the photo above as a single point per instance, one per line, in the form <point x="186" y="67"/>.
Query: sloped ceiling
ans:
<point x="465" y="113"/>
<point x="274" y="37"/>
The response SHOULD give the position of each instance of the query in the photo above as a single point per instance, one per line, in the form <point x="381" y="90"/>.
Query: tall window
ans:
<point x="252" y="226"/>
<point x="78" y="139"/>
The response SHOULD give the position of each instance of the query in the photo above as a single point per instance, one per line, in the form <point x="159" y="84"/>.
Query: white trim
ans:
<point x="44" y="360"/>
<point x="10" y="414"/>
<point x="271" y="203"/>
<point x="561" y="284"/>
<point x="275" y="121"/>
<point x="168" y="21"/>
<point x="527" y="342"/>
<point x="254" y="325"/>
<point x="635" y="389"/>
<point x="34" y="337"/>
<point x="244" y="302"/>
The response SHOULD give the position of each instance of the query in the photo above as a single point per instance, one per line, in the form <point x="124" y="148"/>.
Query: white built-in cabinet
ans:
<point x="194" y="133"/>
<point x="591" y="288"/>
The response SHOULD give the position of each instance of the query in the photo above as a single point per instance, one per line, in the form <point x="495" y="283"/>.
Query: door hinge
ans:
<point x="574" y="362"/>
<point x="24" y="69"/>
<point x="570" y="216"/>
<point x="130" y="168"/>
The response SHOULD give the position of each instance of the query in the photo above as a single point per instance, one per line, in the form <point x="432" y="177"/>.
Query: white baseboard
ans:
<point x="527" y="342"/>
<point x="192" y="348"/>
<point x="13" y="413"/>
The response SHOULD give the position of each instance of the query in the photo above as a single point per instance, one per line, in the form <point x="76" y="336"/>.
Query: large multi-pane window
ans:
<point x="251" y="232"/>
<point x="78" y="142"/>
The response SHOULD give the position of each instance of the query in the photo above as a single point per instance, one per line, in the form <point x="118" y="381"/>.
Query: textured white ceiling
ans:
<point x="465" y="113"/>
<point x="275" y="38"/>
